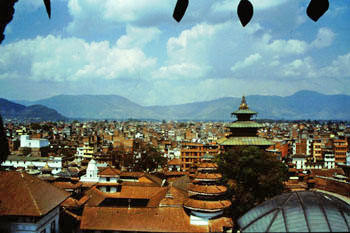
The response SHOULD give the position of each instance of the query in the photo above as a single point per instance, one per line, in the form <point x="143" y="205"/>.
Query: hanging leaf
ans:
<point x="245" y="11"/>
<point x="180" y="9"/>
<point x="317" y="8"/>
<point x="48" y="7"/>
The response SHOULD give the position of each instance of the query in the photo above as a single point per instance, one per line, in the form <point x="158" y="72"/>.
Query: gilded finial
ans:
<point x="244" y="104"/>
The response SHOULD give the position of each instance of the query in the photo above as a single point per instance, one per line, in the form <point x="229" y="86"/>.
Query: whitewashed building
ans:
<point x="26" y="142"/>
<point x="299" y="160"/>
<point x="54" y="163"/>
<point x="91" y="173"/>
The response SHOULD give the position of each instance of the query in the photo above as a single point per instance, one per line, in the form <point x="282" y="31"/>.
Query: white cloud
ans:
<point x="94" y="16"/>
<point x="138" y="37"/>
<point x="340" y="67"/>
<point x="325" y="37"/>
<point x="180" y="71"/>
<point x="300" y="68"/>
<point x="251" y="60"/>
<point x="66" y="59"/>
<point x="91" y="16"/>
<point x="188" y="54"/>
<point x="286" y="47"/>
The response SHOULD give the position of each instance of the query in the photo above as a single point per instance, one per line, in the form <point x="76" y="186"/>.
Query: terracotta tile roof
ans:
<point x="174" y="197"/>
<point x="132" y="174"/>
<point x="333" y="186"/>
<point x="153" y="193"/>
<point x="143" y="184"/>
<point x="70" y="203"/>
<point x="207" y="189"/>
<point x="208" y="176"/>
<point x="218" y="224"/>
<point x="175" y="173"/>
<point x="157" y="198"/>
<point x="292" y="169"/>
<point x="138" y="219"/>
<point x="26" y="195"/>
<point x="88" y="184"/>
<point x="210" y="206"/>
<point x="83" y="200"/>
<point x="207" y="165"/>
<point x="327" y="172"/>
<point x="67" y="185"/>
<point x="151" y="178"/>
<point x="110" y="172"/>
<point x="136" y="192"/>
<point x="175" y="162"/>
<point x="181" y="183"/>
<point x="95" y="197"/>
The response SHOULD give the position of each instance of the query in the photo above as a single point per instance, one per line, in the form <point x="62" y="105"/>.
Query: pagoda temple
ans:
<point x="243" y="131"/>
<point x="206" y="195"/>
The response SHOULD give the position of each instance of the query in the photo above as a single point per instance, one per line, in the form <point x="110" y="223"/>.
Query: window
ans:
<point x="107" y="179"/>
<point x="53" y="227"/>
<point x="108" y="189"/>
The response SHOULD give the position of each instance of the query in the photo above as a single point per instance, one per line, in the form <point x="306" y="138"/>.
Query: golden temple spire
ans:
<point x="244" y="104"/>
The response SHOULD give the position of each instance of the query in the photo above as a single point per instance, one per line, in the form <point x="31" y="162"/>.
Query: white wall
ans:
<point x="33" y="143"/>
<point x="37" y="227"/>
<point x="53" y="162"/>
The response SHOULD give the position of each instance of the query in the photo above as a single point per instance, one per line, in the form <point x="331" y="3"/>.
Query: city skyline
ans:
<point x="137" y="50"/>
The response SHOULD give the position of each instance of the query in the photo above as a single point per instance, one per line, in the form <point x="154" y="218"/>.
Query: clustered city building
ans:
<point x="96" y="193"/>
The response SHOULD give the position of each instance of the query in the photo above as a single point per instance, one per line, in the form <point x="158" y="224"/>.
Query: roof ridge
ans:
<point x="30" y="193"/>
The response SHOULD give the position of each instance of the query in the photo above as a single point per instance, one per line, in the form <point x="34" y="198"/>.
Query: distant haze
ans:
<point x="301" y="105"/>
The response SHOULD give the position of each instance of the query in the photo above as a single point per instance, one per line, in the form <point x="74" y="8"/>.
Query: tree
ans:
<point x="143" y="157"/>
<point x="147" y="158"/>
<point x="4" y="146"/>
<point x="255" y="174"/>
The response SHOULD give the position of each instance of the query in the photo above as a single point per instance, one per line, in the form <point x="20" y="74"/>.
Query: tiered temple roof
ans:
<point x="243" y="131"/>
<point x="205" y="192"/>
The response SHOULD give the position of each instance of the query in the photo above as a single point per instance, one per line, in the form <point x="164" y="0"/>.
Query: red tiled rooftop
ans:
<point x="208" y="176"/>
<point x="175" y="162"/>
<point x="173" y="197"/>
<point x="169" y="219"/>
<point x="70" y="203"/>
<point x="175" y="173"/>
<point x="26" y="195"/>
<point x="204" y="205"/>
<point x="153" y="193"/>
<point x="110" y="172"/>
<point x="67" y="185"/>
<point x="207" y="166"/>
<point x="207" y="189"/>
<point x="132" y="174"/>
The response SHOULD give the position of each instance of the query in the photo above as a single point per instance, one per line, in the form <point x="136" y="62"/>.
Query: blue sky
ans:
<point x="136" y="49"/>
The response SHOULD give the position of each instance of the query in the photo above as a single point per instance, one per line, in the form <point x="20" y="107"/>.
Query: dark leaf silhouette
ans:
<point x="317" y="8"/>
<point x="48" y="7"/>
<point x="180" y="9"/>
<point x="245" y="12"/>
<point x="4" y="147"/>
<point x="6" y="13"/>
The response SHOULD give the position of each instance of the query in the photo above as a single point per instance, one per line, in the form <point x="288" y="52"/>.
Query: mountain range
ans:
<point x="301" y="105"/>
<point x="11" y="110"/>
